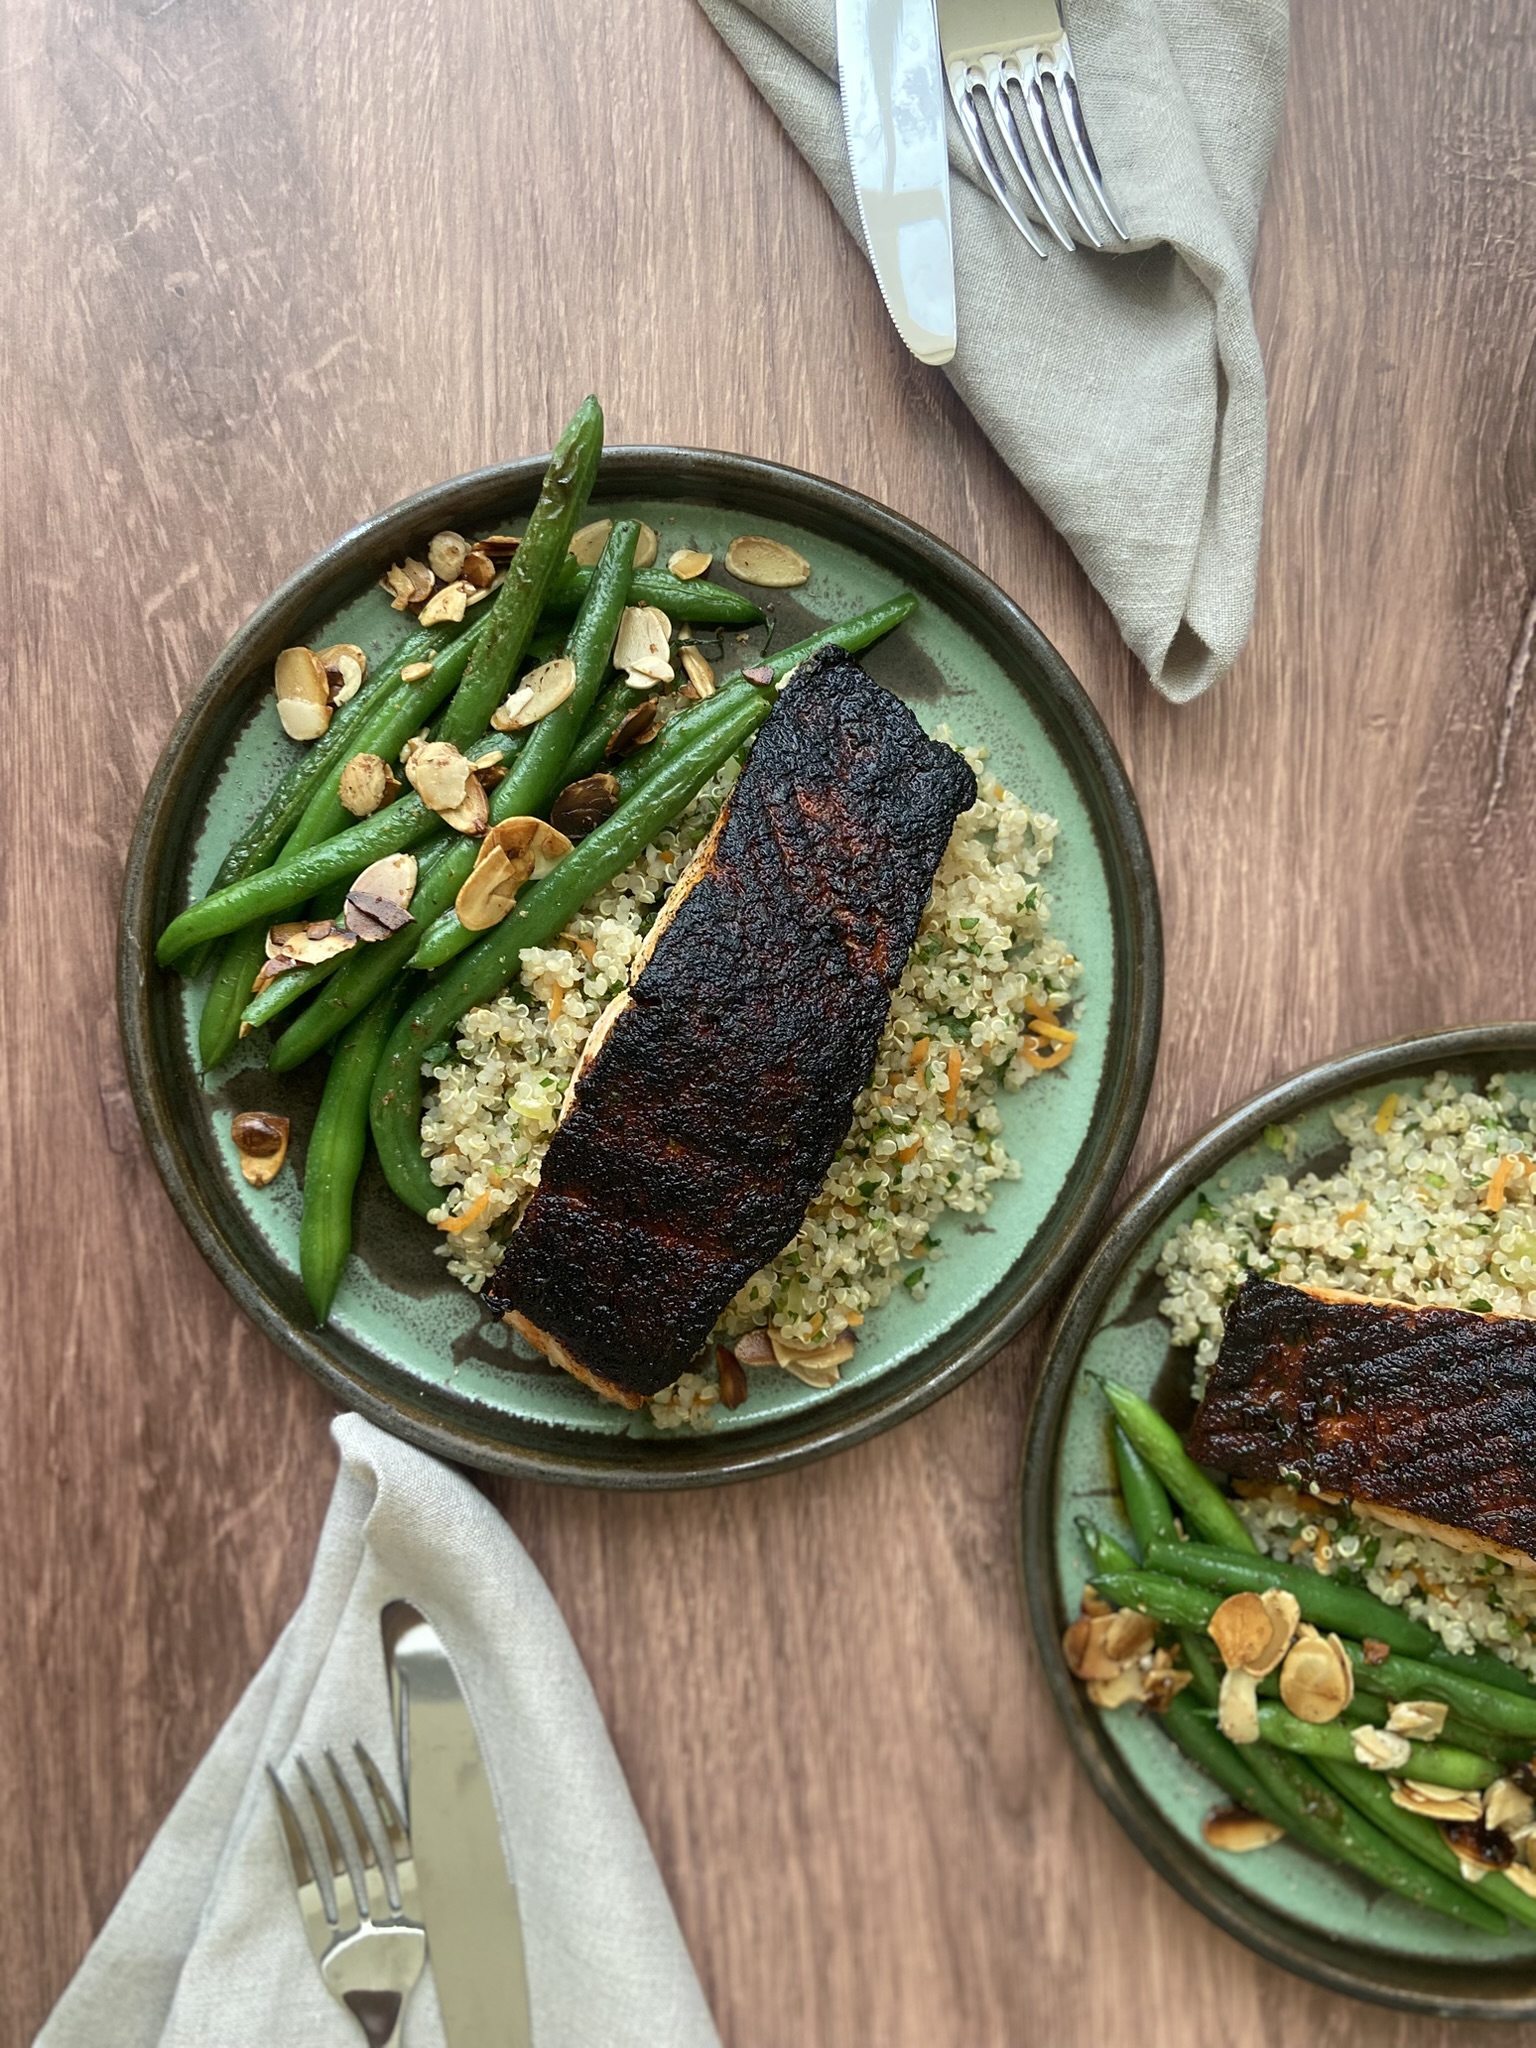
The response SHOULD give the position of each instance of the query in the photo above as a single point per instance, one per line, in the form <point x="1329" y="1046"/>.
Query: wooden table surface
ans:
<point x="269" y="266"/>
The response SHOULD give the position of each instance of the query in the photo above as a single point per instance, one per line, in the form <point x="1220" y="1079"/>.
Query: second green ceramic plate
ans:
<point x="1324" y="1922"/>
<point x="406" y="1344"/>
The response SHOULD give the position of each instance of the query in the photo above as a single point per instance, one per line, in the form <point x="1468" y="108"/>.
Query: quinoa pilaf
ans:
<point x="1435" y="1205"/>
<point x="983" y="1004"/>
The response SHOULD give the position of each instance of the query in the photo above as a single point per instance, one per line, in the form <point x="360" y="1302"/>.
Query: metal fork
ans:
<point x="994" y="50"/>
<point x="369" y="1943"/>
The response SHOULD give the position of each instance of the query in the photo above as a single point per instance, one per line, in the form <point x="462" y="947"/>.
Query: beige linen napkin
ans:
<point x="1125" y="391"/>
<point x="206" y="1948"/>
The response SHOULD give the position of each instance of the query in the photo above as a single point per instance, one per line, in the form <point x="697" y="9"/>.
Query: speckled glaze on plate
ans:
<point x="406" y="1344"/>
<point x="1327" y="1924"/>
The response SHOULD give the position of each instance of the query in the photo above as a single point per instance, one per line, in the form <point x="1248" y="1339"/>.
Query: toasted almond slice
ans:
<point x="445" y="556"/>
<point x="303" y="693"/>
<point x="345" y="667"/>
<point x="516" y="851"/>
<point x="438" y="773"/>
<point x="448" y="604"/>
<point x="1124" y="1689"/>
<point x="701" y="677"/>
<point x="687" y="563"/>
<point x="270" y="968"/>
<point x="261" y="1140"/>
<point x="365" y="782"/>
<point x="479" y="569"/>
<point x="1521" y="1874"/>
<point x="1449" y="1805"/>
<point x="417" y="671"/>
<point x="1129" y="1635"/>
<point x="308" y="945"/>
<point x="1424" y="1720"/>
<point x="1163" y="1681"/>
<point x="1379" y="1749"/>
<point x="408" y="582"/>
<point x="1240" y="1629"/>
<point x="1238" y="1832"/>
<point x="755" y="1348"/>
<point x="378" y="902"/>
<point x="1102" y="1646"/>
<point x="733" y="1381"/>
<point x="1237" y="1707"/>
<point x="541" y="691"/>
<point x="770" y="564"/>
<point x="1317" y="1681"/>
<point x="646" y="546"/>
<point x="638" y="729"/>
<point x="582" y="806"/>
<point x="1507" y="1806"/>
<point x="472" y="815"/>
<point x="1284" y="1611"/>
<point x="641" y="647"/>
<point x="588" y="542"/>
<point x="501" y="547"/>
<point x="817" y="1365"/>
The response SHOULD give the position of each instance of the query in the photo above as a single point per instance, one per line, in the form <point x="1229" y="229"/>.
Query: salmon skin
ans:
<point x="1430" y="1411"/>
<point x="712" y="1097"/>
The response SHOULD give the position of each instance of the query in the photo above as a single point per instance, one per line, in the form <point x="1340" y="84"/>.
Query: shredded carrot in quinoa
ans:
<point x="1493" y="1201"/>
<point x="918" y="1053"/>
<point x="557" y="1002"/>
<point x="910" y="1152"/>
<point x="952" y="1087"/>
<point x="1384" y="1115"/>
<point x="587" y="946"/>
<point x="477" y="1208"/>
<point x="1042" y="1063"/>
<point x="1353" y="1215"/>
<point x="1043" y="1028"/>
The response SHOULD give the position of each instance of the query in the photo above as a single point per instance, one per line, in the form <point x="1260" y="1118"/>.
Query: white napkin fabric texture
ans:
<point x="206" y="1948"/>
<point x="1126" y="390"/>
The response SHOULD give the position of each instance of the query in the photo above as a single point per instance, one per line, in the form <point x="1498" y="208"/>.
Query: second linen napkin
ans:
<point x="1125" y="391"/>
<point x="206" y="1945"/>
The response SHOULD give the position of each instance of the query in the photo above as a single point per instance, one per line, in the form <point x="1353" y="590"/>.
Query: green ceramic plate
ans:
<point x="406" y="1344"/>
<point x="1325" y="1923"/>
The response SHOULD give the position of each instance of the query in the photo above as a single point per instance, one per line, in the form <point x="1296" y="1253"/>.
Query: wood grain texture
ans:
<point x="270" y="265"/>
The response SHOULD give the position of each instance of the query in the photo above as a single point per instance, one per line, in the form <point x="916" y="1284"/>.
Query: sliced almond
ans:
<point x="501" y="547"/>
<point x="445" y="556"/>
<point x="642" y="645"/>
<point x="588" y="542"/>
<point x="494" y="585"/>
<point x="417" y="671"/>
<point x="261" y="1140"/>
<point x="1240" y="1629"/>
<point x="303" y="693"/>
<point x="1124" y="1689"/>
<point x="1284" y="1611"/>
<point x="408" y="582"/>
<point x="582" y="806"/>
<point x="701" y="677"/>
<point x="733" y="1381"/>
<point x="637" y="729"/>
<point x="378" y="901"/>
<point x="1237" y="1831"/>
<point x="479" y="570"/>
<point x="1436" y="1802"/>
<point x="1237" y="1708"/>
<point x="472" y="815"/>
<point x="345" y="667"/>
<point x="687" y="563"/>
<point x="1103" y="1646"/>
<point x="514" y="852"/>
<point x="755" y="1348"/>
<point x="269" y="970"/>
<point x="1379" y="1749"/>
<point x="1507" y="1806"/>
<point x="438" y="773"/>
<point x="1522" y="1875"/>
<point x="541" y="691"/>
<point x="1376" y="1652"/>
<point x="489" y="770"/>
<point x="1424" y="1720"/>
<point x="447" y="607"/>
<point x="365" y="782"/>
<point x="1317" y="1681"/>
<point x="308" y="944"/>
<point x="770" y="564"/>
<point x="816" y="1364"/>
<point x="646" y="546"/>
<point x="1163" y="1681"/>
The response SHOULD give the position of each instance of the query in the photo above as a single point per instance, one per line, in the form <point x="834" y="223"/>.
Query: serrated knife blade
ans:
<point x="891" y="81"/>
<point x="468" y="1899"/>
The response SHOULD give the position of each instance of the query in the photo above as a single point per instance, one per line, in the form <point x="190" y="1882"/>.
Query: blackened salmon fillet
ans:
<point x="712" y="1096"/>
<point x="1430" y="1412"/>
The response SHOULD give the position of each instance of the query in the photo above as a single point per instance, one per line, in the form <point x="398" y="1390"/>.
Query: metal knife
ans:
<point x="468" y="1899"/>
<point x="892" y="85"/>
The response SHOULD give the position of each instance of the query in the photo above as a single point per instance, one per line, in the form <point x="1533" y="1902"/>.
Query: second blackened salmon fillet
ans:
<point x="1427" y="1411"/>
<point x="712" y="1098"/>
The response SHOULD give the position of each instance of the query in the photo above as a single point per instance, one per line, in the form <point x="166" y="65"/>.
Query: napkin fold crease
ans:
<point x="206" y="1945"/>
<point x="1126" y="392"/>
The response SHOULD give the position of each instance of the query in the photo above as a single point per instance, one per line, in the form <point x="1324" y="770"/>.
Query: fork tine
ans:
<point x="960" y="92"/>
<point x="1062" y="70"/>
<point x="379" y="1904"/>
<point x="348" y="1912"/>
<point x="316" y="1905"/>
<point x="1008" y="127"/>
<point x="1045" y="136"/>
<point x="394" y="1830"/>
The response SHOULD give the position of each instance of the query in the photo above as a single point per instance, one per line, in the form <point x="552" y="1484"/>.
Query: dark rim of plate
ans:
<point x="1449" y="1990"/>
<point x="465" y="1431"/>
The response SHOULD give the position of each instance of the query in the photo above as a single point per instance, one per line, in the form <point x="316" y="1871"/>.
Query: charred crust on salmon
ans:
<point x="704" y="1117"/>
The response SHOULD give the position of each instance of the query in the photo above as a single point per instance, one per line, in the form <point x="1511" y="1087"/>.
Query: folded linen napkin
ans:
<point x="1125" y="391"/>
<point x="206" y="1948"/>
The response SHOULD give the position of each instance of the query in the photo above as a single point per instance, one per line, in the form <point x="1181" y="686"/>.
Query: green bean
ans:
<point x="228" y="991"/>
<point x="1410" y="1678"/>
<point x="539" y="774"/>
<point x="404" y="824"/>
<point x="1204" y="1744"/>
<point x="1165" y="1599"/>
<point x="1147" y="1506"/>
<point x="1206" y="1508"/>
<point x="515" y="612"/>
<point x="1324" y="1822"/>
<point x="1327" y="1602"/>
<point x="1435" y="1763"/>
<point x="1203" y="1671"/>
<point x="539" y="915"/>
<point x="1370" y="1794"/>
<point x="335" y="1158"/>
<point x="1371" y="1708"/>
<point x="1106" y="1553"/>
<point x="695" y="602"/>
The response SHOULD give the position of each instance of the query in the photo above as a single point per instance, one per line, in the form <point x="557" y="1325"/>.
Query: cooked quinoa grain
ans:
<point x="1435" y="1205"/>
<point x="983" y="1002"/>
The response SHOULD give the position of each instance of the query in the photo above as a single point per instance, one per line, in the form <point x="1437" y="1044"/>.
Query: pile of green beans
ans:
<point x="1304" y="1776"/>
<point x="379" y="1007"/>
